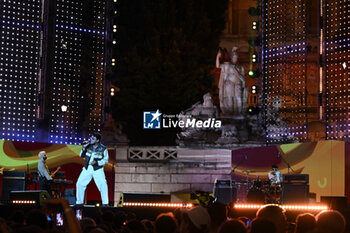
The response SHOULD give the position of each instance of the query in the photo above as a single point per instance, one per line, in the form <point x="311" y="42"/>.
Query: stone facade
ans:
<point x="192" y="170"/>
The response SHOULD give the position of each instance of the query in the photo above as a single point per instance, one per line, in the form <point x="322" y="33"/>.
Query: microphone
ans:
<point x="85" y="142"/>
<point x="245" y="157"/>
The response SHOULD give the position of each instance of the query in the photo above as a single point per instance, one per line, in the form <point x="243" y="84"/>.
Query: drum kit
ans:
<point x="260" y="191"/>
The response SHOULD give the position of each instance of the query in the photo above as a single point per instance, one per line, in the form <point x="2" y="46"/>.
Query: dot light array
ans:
<point x="19" y="68"/>
<point x="96" y="90"/>
<point x="24" y="202"/>
<point x="168" y="205"/>
<point x="284" y="70"/>
<point x="286" y="207"/>
<point x="336" y="43"/>
<point x="78" y="72"/>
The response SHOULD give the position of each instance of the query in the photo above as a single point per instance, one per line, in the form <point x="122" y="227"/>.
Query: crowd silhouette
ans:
<point x="211" y="219"/>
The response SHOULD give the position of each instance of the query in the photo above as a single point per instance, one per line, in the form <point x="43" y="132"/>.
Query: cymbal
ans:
<point x="248" y="171"/>
<point x="243" y="181"/>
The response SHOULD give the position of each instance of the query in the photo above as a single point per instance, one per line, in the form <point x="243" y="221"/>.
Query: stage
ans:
<point x="312" y="171"/>
<point x="144" y="211"/>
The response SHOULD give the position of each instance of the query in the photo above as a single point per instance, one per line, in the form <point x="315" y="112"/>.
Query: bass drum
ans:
<point x="256" y="196"/>
<point x="257" y="184"/>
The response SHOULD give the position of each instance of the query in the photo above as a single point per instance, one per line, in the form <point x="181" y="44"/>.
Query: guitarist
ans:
<point x="45" y="178"/>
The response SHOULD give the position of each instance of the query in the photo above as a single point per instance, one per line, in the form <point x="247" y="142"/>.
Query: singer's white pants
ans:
<point x="84" y="179"/>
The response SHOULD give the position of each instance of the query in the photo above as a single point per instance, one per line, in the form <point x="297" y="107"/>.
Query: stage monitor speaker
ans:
<point x="335" y="203"/>
<point x="225" y="191"/>
<point x="295" y="194"/>
<point x="12" y="181"/>
<point x="27" y="197"/>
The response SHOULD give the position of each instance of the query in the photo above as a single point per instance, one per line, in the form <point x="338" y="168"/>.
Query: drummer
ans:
<point x="275" y="176"/>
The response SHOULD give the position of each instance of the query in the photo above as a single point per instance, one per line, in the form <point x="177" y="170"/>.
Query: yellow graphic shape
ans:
<point x="57" y="155"/>
<point x="286" y="148"/>
<point x="63" y="155"/>
<point x="324" y="184"/>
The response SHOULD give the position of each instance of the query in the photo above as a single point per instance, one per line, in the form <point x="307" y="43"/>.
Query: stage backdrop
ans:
<point x="326" y="162"/>
<point x="23" y="156"/>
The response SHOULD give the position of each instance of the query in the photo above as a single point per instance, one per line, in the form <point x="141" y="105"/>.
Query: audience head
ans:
<point x="166" y="223"/>
<point x="305" y="223"/>
<point x="37" y="218"/>
<point x="17" y="217"/>
<point x="196" y="220"/>
<point x="87" y="223"/>
<point x="130" y="216"/>
<point x="276" y="215"/>
<point x="244" y="219"/>
<point x="262" y="225"/>
<point x="178" y="215"/>
<point x="135" y="226"/>
<point x="108" y="216"/>
<point x="30" y="229"/>
<point x="97" y="230"/>
<point x="119" y="219"/>
<point x="3" y="226"/>
<point x="330" y="221"/>
<point x="218" y="213"/>
<point x="234" y="225"/>
<point x="149" y="225"/>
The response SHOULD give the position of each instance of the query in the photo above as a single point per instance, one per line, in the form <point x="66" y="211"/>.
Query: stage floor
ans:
<point x="146" y="212"/>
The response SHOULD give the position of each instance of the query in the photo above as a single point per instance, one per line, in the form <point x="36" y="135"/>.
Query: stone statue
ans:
<point x="233" y="93"/>
<point x="199" y="111"/>
<point x="207" y="109"/>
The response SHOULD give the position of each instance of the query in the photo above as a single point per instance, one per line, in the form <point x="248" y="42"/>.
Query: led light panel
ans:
<point x="284" y="70"/>
<point x="337" y="61"/>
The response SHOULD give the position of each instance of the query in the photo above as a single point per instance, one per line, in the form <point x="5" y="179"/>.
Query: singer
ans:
<point x="96" y="156"/>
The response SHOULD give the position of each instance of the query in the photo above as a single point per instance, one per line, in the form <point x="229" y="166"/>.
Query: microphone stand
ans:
<point x="233" y="175"/>
<point x="289" y="167"/>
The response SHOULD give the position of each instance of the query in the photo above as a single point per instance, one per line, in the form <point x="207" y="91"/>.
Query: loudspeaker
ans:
<point x="295" y="193"/>
<point x="336" y="203"/>
<point x="12" y="181"/>
<point x="256" y="196"/>
<point x="296" y="178"/>
<point x="225" y="191"/>
<point x="31" y="197"/>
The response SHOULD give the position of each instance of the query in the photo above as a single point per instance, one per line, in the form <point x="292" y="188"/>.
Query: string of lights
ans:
<point x="168" y="205"/>
<point x="286" y="207"/>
